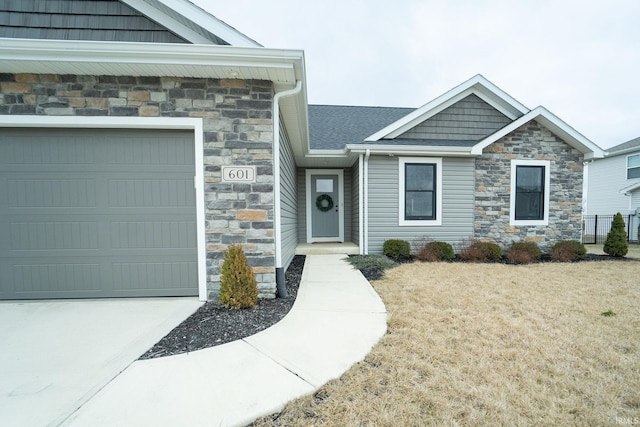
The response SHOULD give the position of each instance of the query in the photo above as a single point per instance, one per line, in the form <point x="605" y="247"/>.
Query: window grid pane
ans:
<point x="529" y="193"/>
<point x="420" y="195"/>
<point x="633" y="161"/>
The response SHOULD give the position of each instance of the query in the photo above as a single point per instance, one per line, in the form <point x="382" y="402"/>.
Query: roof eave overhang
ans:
<point x="621" y="152"/>
<point x="551" y="122"/>
<point x="283" y="67"/>
<point x="630" y="189"/>
<point x="406" y="150"/>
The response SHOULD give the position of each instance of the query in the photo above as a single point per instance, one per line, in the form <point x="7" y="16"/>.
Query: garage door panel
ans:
<point x="60" y="235"/>
<point x="37" y="278"/>
<point x="155" y="274"/>
<point x="24" y="150"/>
<point x="50" y="192"/>
<point x="153" y="235"/>
<point x="149" y="193"/>
<point x="97" y="214"/>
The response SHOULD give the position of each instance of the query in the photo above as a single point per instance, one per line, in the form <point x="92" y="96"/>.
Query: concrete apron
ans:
<point x="334" y="323"/>
<point x="56" y="355"/>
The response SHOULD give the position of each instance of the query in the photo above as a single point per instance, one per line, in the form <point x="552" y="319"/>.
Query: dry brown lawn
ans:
<point x="493" y="345"/>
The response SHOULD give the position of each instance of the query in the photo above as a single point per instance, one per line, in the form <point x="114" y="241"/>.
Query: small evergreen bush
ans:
<point x="398" y="250"/>
<point x="436" y="251"/>
<point x="568" y="251"/>
<point x="524" y="252"/>
<point x="238" y="287"/>
<point x="479" y="250"/>
<point x="616" y="244"/>
<point x="371" y="266"/>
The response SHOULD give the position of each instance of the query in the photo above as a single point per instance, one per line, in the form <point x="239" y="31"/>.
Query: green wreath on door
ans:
<point x="324" y="203"/>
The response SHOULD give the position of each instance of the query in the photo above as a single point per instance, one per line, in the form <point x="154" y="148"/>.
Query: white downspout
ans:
<point x="281" y="288"/>
<point x="366" y="202"/>
<point x="361" y="203"/>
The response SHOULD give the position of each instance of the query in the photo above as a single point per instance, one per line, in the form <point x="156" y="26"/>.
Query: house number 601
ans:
<point x="238" y="174"/>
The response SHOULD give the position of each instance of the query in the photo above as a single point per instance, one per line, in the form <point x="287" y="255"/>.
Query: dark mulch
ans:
<point x="213" y="324"/>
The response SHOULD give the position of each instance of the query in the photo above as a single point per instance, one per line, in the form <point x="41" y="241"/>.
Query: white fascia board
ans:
<point x="618" y="153"/>
<point x="406" y="150"/>
<point x="194" y="14"/>
<point x="630" y="189"/>
<point x="477" y="85"/>
<point x="327" y="153"/>
<point x="551" y="122"/>
<point x="173" y="55"/>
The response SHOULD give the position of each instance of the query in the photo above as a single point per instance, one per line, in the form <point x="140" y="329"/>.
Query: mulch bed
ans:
<point x="213" y="324"/>
<point x="376" y="273"/>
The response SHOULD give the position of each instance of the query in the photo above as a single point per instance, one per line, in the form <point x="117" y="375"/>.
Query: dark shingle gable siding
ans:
<point x="98" y="20"/>
<point x="470" y="119"/>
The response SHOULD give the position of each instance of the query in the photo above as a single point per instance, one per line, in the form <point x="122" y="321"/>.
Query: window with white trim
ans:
<point x="633" y="166"/>
<point x="530" y="182"/>
<point x="420" y="189"/>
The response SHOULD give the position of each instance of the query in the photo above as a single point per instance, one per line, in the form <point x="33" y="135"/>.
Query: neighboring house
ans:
<point x="132" y="156"/>
<point x="613" y="185"/>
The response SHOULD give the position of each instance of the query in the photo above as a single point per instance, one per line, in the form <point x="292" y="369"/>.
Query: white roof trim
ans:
<point x="551" y="122"/>
<point x="194" y="14"/>
<point x="415" y="150"/>
<point x="630" y="189"/>
<point x="283" y="67"/>
<point x="477" y="85"/>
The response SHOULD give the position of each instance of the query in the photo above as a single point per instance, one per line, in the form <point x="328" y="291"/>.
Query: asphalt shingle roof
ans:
<point x="331" y="127"/>
<point x="625" y="145"/>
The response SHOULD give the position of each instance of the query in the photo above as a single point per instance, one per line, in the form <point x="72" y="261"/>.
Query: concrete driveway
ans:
<point x="56" y="355"/>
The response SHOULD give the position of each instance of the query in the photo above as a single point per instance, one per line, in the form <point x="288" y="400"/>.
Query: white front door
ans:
<point x="325" y="205"/>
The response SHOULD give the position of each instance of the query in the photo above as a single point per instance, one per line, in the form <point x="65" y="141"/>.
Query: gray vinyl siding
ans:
<point x="348" y="205"/>
<point x="457" y="203"/>
<point x="302" y="205"/>
<point x="355" y="206"/>
<point x="468" y="119"/>
<point x="605" y="178"/>
<point x="107" y="20"/>
<point x="288" y="199"/>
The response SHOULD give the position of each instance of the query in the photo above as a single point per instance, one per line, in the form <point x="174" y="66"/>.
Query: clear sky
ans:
<point x="578" y="58"/>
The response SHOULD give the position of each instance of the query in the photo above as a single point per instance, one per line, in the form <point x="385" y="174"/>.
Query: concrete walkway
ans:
<point x="334" y="323"/>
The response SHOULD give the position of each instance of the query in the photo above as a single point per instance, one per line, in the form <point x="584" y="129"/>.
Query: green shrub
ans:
<point x="523" y="252"/>
<point x="436" y="251"/>
<point x="398" y="250"/>
<point x="616" y="244"/>
<point x="372" y="266"/>
<point x="479" y="250"/>
<point x="371" y="261"/>
<point x="568" y="251"/>
<point x="238" y="287"/>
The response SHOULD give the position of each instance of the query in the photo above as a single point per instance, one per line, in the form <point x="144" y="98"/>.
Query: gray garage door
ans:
<point x="96" y="213"/>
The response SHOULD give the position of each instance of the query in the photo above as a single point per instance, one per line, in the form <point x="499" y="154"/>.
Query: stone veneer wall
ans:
<point x="238" y="129"/>
<point x="493" y="175"/>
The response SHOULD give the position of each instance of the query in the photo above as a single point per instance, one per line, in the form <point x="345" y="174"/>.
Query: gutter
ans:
<point x="281" y="286"/>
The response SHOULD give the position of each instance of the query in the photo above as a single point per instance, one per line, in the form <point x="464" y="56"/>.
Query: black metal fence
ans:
<point x="596" y="227"/>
